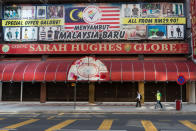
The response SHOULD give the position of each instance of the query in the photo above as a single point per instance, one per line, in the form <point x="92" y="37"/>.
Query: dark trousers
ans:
<point x="159" y="102"/>
<point x="138" y="103"/>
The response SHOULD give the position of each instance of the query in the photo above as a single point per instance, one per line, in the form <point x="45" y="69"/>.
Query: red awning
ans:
<point x="119" y="70"/>
<point x="151" y="70"/>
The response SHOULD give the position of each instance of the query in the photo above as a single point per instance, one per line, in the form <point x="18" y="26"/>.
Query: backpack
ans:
<point x="140" y="96"/>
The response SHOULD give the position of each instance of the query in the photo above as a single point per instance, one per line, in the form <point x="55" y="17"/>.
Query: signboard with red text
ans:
<point x="96" y="48"/>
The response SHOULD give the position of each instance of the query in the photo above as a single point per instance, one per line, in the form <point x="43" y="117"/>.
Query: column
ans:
<point x="21" y="91"/>
<point x="43" y="93"/>
<point x="141" y="90"/>
<point x="91" y="92"/>
<point x="192" y="92"/>
<point x="1" y="87"/>
<point x="188" y="84"/>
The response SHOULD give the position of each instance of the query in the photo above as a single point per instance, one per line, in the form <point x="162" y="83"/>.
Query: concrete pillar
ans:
<point x="192" y="93"/>
<point x="21" y="91"/>
<point x="141" y="90"/>
<point x="43" y="93"/>
<point x="92" y="92"/>
<point x="1" y="89"/>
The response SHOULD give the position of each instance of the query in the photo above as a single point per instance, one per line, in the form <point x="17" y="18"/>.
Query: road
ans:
<point x="96" y="121"/>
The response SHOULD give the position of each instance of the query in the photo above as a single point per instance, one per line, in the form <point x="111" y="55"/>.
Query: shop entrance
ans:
<point x="116" y="92"/>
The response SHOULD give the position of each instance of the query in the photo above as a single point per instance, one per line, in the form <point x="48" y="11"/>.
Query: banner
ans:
<point x="175" y="31"/>
<point x="157" y="32"/>
<point x="153" y="21"/>
<point x="44" y="22"/>
<point x="96" y="48"/>
<point x="88" y="22"/>
<point x="99" y="21"/>
<point x="193" y="14"/>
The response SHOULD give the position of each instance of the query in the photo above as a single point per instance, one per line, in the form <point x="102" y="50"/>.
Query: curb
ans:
<point x="102" y="112"/>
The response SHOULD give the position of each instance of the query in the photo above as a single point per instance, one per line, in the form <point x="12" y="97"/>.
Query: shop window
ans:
<point x="82" y="91"/>
<point x="116" y="92"/>
<point x="59" y="91"/>
<point x="170" y="91"/>
<point x="31" y="91"/>
<point x="11" y="91"/>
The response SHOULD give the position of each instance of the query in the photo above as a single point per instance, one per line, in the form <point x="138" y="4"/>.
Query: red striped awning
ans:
<point x="151" y="70"/>
<point x="119" y="70"/>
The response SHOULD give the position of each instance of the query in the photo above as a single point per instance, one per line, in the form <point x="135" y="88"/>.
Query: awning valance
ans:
<point x="119" y="70"/>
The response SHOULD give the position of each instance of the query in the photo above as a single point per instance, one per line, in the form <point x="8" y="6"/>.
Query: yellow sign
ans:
<point x="43" y="22"/>
<point x="165" y="21"/>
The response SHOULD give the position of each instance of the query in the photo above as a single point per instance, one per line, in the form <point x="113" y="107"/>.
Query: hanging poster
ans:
<point x="151" y="9"/>
<point x="92" y="22"/>
<point x="55" y="11"/>
<point x="178" y="9"/>
<point x="167" y="9"/>
<point x="172" y="9"/>
<point x="157" y="32"/>
<point x="41" y="12"/>
<point x="28" y="12"/>
<point x="12" y="34"/>
<point x="130" y="10"/>
<point x="134" y="32"/>
<point x="11" y="12"/>
<point x="29" y="33"/>
<point x="49" y="33"/>
<point x="175" y="32"/>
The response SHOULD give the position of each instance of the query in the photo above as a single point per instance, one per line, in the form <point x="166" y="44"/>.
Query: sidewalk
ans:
<point x="84" y="107"/>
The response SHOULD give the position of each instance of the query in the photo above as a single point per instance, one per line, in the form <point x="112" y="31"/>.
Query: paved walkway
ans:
<point x="84" y="107"/>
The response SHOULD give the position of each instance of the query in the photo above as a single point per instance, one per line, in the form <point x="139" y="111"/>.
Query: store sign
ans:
<point x="154" y="21"/>
<point x="193" y="12"/>
<point x="44" y="22"/>
<point x="96" y="48"/>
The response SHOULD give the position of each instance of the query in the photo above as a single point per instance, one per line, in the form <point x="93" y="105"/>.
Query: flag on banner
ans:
<point x="108" y="16"/>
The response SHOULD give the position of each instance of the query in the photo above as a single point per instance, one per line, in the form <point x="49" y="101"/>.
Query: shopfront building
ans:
<point x="95" y="52"/>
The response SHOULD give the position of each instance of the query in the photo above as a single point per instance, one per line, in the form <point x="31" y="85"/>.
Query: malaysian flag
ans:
<point x="106" y="17"/>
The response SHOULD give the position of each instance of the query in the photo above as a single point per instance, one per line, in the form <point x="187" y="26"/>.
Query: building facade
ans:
<point x="97" y="51"/>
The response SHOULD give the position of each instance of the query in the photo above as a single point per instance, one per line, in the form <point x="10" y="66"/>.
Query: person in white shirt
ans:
<point x="138" y="99"/>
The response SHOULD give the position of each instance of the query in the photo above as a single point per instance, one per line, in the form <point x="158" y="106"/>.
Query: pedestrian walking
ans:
<point x="158" y="95"/>
<point x="138" y="99"/>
